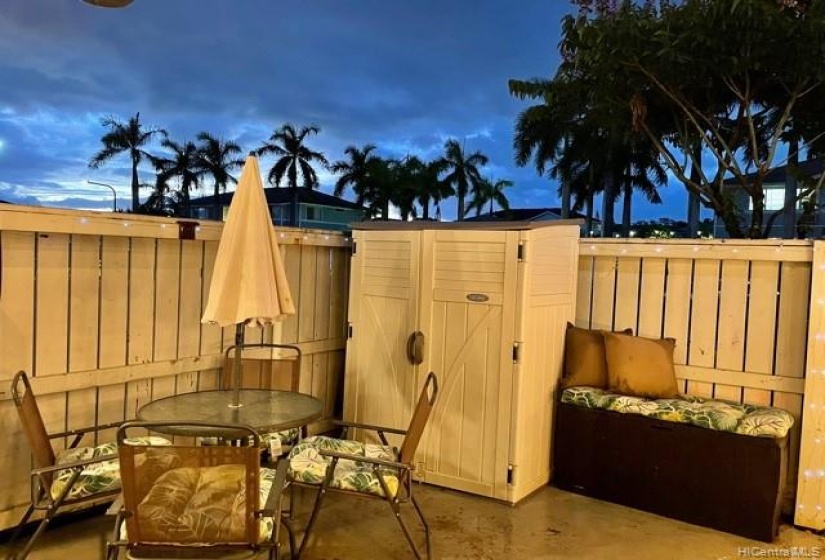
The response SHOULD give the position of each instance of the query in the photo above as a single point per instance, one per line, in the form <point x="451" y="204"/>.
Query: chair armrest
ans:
<point x="346" y="424"/>
<point x="272" y="506"/>
<point x="81" y="431"/>
<point x="73" y="465"/>
<point x="371" y="460"/>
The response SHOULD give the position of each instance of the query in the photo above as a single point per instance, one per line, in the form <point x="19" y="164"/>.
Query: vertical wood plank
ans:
<point x="85" y="302"/>
<point x="338" y="296"/>
<point x="52" y="311"/>
<point x="292" y="255"/>
<point x="17" y="303"/>
<point x="730" y="342"/>
<point x="190" y="299"/>
<point x="703" y="325"/>
<point x="306" y="302"/>
<point x="211" y="334"/>
<point x="141" y="300"/>
<point x="323" y="282"/>
<point x="584" y="291"/>
<point x="81" y="412"/>
<point x="167" y="290"/>
<point x="114" y="303"/>
<point x="761" y="321"/>
<point x="652" y="298"/>
<point x="604" y="291"/>
<point x="677" y="305"/>
<point x="810" y="491"/>
<point x="627" y="294"/>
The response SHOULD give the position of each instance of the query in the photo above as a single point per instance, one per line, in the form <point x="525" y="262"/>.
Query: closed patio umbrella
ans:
<point x="249" y="284"/>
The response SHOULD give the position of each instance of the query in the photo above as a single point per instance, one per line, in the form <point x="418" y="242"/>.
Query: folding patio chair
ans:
<point x="369" y="470"/>
<point x="73" y="476"/>
<point x="193" y="501"/>
<point x="267" y="366"/>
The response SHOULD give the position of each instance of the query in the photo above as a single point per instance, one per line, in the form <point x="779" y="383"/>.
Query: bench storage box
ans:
<point x="700" y="474"/>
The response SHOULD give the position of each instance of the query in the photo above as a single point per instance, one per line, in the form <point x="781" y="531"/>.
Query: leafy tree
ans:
<point x="293" y="158"/>
<point x="462" y="171"/>
<point x="737" y="77"/>
<point x="491" y="192"/>
<point x="130" y="137"/>
<point x="216" y="159"/>
<point x="184" y="165"/>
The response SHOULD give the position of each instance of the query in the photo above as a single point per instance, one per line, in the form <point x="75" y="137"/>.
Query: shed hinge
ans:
<point x="520" y="252"/>
<point x="511" y="474"/>
<point x="349" y="330"/>
<point x="516" y="352"/>
<point x="354" y="247"/>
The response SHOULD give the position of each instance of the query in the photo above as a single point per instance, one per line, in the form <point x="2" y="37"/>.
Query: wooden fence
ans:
<point x="103" y="311"/>
<point x="738" y="310"/>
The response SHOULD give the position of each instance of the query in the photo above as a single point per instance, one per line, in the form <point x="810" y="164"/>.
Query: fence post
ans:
<point x="810" y="494"/>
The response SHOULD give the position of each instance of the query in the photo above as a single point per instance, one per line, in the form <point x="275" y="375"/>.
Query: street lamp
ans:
<point x="114" y="192"/>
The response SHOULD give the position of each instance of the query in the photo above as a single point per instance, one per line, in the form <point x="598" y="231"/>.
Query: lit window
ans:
<point x="775" y="200"/>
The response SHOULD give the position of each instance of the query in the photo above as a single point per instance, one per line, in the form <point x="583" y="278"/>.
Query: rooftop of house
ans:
<point x="523" y="215"/>
<point x="811" y="167"/>
<point x="276" y="195"/>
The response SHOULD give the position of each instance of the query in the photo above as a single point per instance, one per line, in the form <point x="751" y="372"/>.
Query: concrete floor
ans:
<point x="551" y="524"/>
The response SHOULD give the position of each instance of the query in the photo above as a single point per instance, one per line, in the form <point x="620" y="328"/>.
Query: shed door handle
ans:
<point x="415" y="348"/>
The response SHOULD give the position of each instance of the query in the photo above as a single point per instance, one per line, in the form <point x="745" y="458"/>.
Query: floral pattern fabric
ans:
<point x="715" y="414"/>
<point x="307" y="465"/>
<point x="201" y="505"/>
<point x="97" y="477"/>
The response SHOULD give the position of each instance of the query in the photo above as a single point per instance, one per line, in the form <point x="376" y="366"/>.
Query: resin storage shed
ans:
<point x="485" y="307"/>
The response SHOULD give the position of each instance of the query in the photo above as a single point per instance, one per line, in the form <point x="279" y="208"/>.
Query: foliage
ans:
<point x="130" y="137"/>
<point x="734" y="78"/>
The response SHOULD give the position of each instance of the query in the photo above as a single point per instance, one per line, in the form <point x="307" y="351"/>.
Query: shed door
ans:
<point x="380" y="380"/>
<point x="467" y="315"/>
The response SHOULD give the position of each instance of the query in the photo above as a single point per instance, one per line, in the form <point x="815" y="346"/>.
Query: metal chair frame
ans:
<point x="272" y="507"/>
<point x="45" y="468"/>
<point x="403" y="466"/>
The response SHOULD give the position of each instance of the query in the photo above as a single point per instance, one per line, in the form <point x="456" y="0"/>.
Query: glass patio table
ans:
<point x="263" y="409"/>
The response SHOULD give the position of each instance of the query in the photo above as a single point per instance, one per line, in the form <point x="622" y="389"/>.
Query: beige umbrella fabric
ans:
<point x="249" y="283"/>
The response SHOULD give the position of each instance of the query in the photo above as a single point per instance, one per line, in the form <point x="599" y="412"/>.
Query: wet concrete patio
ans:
<point x="550" y="524"/>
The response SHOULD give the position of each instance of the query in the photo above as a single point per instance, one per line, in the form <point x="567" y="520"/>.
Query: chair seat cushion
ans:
<point x="307" y="465"/>
<point x="98" y="477"/>
<point x="200" y="505"/>
<point x="287" y="437"/>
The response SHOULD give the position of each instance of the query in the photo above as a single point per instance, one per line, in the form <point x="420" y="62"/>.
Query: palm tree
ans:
<point x="293" y="158"/>
<point x="216" y="159"/>
<point x="185" y="164"/>
<point x="355" y="172"/>
<point x="128" y="137"/>
<point x="462" y="171"/>
<point x="492" y="192"/>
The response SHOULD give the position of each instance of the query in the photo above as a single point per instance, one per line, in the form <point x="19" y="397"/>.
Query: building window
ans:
<point x="775" y="199"/>
<point x="310" y="213"/>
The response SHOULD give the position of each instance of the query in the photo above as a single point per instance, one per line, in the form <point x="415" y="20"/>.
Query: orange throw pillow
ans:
<point x="584" y="358"/>
<point x="639" y="366"/>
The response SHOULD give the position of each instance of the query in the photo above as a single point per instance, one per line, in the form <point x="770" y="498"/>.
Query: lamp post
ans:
<point x="114" y="192"/>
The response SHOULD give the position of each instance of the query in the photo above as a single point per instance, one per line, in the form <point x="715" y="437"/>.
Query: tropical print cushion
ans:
<point x="200" y="505"/>
<point x="97" y="477"/>
<point x="726" y="416"/>
<point x="308" y="466"/>
<point x="287" y="437"/>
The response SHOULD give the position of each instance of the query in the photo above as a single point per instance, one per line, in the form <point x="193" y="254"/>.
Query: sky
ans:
<point x="401" y="74"/>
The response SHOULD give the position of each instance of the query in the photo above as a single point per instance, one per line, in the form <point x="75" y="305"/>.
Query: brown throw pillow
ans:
<point x="639" y="366"/>
<point x="584" y="359"/>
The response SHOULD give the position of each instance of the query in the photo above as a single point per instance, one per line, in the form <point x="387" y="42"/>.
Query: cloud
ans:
<point x="405" y="76"/>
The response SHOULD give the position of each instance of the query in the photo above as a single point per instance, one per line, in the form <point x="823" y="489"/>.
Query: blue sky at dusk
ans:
<point x="402" y="75"/>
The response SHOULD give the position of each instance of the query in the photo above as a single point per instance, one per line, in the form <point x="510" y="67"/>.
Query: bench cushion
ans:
<point x="726" y="416"/>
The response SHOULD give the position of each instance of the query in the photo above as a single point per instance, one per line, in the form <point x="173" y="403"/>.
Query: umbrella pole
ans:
<point x="236" y="366"/>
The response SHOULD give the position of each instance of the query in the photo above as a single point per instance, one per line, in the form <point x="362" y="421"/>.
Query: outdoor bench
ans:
<point x="708" y="462"/>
